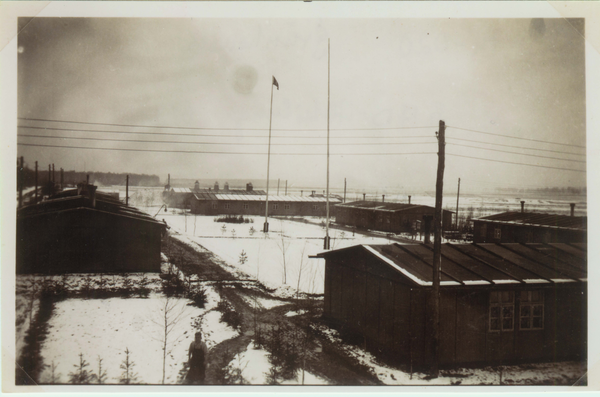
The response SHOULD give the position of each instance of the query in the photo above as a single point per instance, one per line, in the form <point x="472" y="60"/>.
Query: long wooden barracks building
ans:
<point x="386" y="217"/>
<point x="499" y="303"/>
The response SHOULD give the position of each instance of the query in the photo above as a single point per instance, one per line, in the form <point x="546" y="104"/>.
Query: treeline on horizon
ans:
<point x="98" y="178"/>
<point x="546" y="190"/>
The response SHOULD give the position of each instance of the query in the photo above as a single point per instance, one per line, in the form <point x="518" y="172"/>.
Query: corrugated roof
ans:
<point x="484" y="264"/>
<point x="69" y="200"/>
<point x="383" y="206"/>
<point x="536" y="219"/>
<point x="274" y="199"/>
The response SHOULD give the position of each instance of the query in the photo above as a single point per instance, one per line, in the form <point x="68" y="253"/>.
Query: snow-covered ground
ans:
<point x="104" y="328"/>
<point x="253" y="366"/>
<point x="265" y="254"/>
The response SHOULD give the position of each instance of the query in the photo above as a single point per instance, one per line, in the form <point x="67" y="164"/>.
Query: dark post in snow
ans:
<point x="20" y="178"/>
<point x="49" y="172"/>
<point x="87" y="179"/>
<point x="572" y="209"/>
<point x="522" y="206"/>
<point x="127" y="191"/>
<point x="457" y="197"/>
<point x="364" y="196"/>
<point x="36" y="182"/>
<point x="383" y="198"/>
<point x="408" y="199"/>
<point x="53" y="178"/>
<point x="344" y="190"/>
<point x="437" y="251"/>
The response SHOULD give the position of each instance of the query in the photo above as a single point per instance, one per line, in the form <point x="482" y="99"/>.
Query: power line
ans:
<point x="519" y="147"/>
<point x="520" y="154"/>
<point x="517" y="137"/>
<point x="221" y="135"/>
<point x="510" y="162"/>
<point x="204" y="152"/>
<point x="222" y="143"/>
<point x="224" y="129"/>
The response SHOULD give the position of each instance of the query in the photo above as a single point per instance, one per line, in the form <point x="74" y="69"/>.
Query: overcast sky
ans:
<point x="512" y="77"/>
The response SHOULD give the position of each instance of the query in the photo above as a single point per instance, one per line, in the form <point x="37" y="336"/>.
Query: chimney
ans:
<point x="383" y="198"/>
<point x="572" y="209"/>
<point x="53" y="179"/>
<point x="408" y="199"/>
<point x="216" y="186"/>
<point x="249" y="187"/>
<point x="364" y="196"/>
<point x="226" y="186"/>
<point x="196" y="186"/>
<point x="426" y="225"/>
<point x="313" y="193"/>
<point x="522" y="206"/>
<point x="301" y="193"/>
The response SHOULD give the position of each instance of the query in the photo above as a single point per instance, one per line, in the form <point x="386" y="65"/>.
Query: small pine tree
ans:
<point x="81" y="375"/>
<point x="233" y="233"/>
<point x="223" y="229"/>
<point x="100" y="377"/>
<point x="54" y="376"/>
<point x="128" y="376"/>
<point x="243" y="258"/>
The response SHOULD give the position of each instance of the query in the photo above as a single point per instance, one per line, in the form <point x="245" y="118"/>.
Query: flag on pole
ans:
<point x="275" y="83"/>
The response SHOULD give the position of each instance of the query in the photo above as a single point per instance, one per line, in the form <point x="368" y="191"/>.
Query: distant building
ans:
<point x="528" y="227"/>
<point x="499" y="304"/>
<point x="386" y="217"/>
<point x="85" y="231"/>
<point x="180" y="197"/>
<point x="241" y="203"/>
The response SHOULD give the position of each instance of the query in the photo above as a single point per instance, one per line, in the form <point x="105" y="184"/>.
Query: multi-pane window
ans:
<point x="315" y="207"/>
<point x="497" y="233"/>
<point x="226" y="206"/>
<point x="215" y="206"/>
<point x="245" y="206"/>
<point x="275" y="206"/>
<point x="502" y="310"/>
<point x="286" y="206"/>
<point x="531" y="310"/>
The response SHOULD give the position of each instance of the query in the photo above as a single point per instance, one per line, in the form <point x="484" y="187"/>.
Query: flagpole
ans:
<point x="328" y="95"/>
<point x="266" y="225"/>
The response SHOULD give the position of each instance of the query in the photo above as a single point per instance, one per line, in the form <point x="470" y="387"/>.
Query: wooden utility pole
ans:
<point x="36" y="182"/>
<point x="266" y="225"/>
<point x="127" y="190"/>
<point x="326" y="245"/>
<point x="278" y="186"/>
<point x="437" y="251"/>
<point x="21" y="177"/>
<point x="457" y="197"/>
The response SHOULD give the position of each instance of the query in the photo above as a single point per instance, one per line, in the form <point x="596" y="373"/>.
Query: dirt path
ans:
<point x="321" y="357"/>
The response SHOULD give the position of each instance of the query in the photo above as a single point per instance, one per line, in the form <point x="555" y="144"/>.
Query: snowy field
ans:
<point x="104" y="328"/>
<point x="289" y="242"/>
<point x="253" y="366"/>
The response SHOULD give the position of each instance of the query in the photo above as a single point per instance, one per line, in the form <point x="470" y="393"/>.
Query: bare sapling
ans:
<point x="283" y="245"/>
<point x="300" y="270"/>
<point x="170" y="313"/>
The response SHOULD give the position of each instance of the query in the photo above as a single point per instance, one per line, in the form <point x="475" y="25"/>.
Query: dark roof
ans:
<point x="483" y="264"/>
<point x="187" y="190"/>
<point x="69" y="200"/>
<point x="537" y="219"/>
<point x="224" y="196"/>
<point x="383" y="206"/>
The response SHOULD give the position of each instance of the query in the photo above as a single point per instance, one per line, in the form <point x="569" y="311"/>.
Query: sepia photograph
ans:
<point x="299" y="200"/>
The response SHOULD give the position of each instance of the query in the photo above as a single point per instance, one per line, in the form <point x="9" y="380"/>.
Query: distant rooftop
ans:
<point x="262" y="197"/>
<point x="537" y="219"/>
<point x="383" y="206"/>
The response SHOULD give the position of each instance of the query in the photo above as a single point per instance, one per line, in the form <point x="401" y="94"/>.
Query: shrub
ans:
<point x="228" y="315"/>
<point x="198" y="296"/>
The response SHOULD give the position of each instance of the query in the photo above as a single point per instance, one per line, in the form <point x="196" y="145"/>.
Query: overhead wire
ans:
<point x="224" y="143"/>
<point x="520" y="154"/>
<point x="223" y="128"/>
<point x="216" y="152"/>
<point x="511" y="162"/>
<point x="516" y="147"/>
<point x="515" y="137"/>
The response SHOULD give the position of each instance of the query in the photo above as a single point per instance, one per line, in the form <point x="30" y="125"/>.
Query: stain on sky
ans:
<point x="244" y="79"/>
<point x="537" y="28"/>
